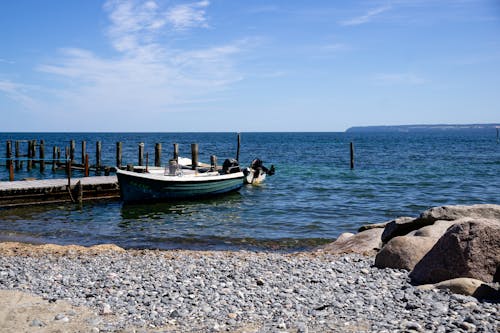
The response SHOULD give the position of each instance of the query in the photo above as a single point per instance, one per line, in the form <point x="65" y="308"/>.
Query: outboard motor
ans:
<point x="231" y="166"/>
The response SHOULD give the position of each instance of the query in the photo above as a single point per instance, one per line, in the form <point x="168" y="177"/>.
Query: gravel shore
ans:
<point x="192" y="291"/>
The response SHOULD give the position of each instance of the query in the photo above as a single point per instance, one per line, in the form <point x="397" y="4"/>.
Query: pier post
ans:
<point x="176" y="151"/>
<point x="141" y="154"/>
<point x="72" y="147"/>
<point x="29" y="164"/>
<point x="98" y="155"/>
<point x="213" y="163"/>
<point x="238" y="148"/>
<point x="118" y="155"/>
<point x="58" y="154"/>
<point x="42" y="156"/>
<point x="8" y="153"/>
<point x="86" y="165"/>
<point x="68" y="172"/>
<point x="158" y="155"/>
<point x="147" y="161"/>
<point x="194" y="156"/>
<point x="33" y="151"/>
<point x="11" y="172"/>
<point x="84" y="151"/>
<point x="18" y="154"/>
<point x="54" y="156"/>
<point x="352" y="155"/>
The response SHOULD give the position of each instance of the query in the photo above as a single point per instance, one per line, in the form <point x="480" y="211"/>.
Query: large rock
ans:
<point x="449" y="213"/>
<point x="366" y="242"/>
<point x="400" y="227"/>
<point x="404" y="252"/>
<point x="468" y="287"/>
<point x="470" y="248"/>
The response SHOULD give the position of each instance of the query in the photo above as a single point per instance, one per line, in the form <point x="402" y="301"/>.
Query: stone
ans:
<point x="366" y="242"/>
<point x="470" y="248"/>
<point x="400" y="227"/>
<point x="372" y="226"/>
<point x="480" y="211"/>
<point x="404" y="252"/>
<point x="468" y="287"/>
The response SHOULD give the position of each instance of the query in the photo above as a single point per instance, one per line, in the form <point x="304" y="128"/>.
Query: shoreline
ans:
<point x="107" y="289"/>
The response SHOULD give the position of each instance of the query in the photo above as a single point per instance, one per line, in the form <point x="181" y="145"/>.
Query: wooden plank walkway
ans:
<point x="34" y="192"/>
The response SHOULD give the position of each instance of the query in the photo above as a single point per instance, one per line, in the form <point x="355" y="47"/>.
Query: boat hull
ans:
<point x="135" y="187"/>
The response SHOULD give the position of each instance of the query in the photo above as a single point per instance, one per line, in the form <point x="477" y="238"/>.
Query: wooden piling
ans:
<point x="54" y="158"/>
<point x="86" y="165"/>
<point x="29" y="164"/>
<point x="42" y="156"/>
<point x="72" y="148"/>
<point x="176" y="151"/>
<point x="11" y="172"/>
<point x="118" y="155"/>
<point x="68" y="173"/>
<point x="8" y="153"/>
<point x="213" y="163"/>
<point x="141" y="154"/>
<point x="18" y="154"/>
<point x="147" y="161"/>
<point x="238" y="148"/>
<point x="158" y="155"/>
<point x="84" y="151"/>
<point x="58" y="154"/>
<point x="98" y="155"/>
<point x="352" y="155"/>
<point x="194" y="156"/>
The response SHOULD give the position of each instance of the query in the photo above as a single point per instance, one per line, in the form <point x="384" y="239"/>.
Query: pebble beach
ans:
<point x="237" y="291"/>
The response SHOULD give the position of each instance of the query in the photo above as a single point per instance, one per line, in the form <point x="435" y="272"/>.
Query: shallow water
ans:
<point x="313" y="197"/>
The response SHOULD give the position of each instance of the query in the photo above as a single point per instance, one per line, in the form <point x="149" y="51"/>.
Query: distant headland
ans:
<point x="423" y="128"/>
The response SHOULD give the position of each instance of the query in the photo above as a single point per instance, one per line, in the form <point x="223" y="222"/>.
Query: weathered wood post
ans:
<point x="238" y="148"/>
<point x="176" y="151"/>
<point x="84" y="151"/>
<point x="194" y="156"/>
<point x="68" y="172"/>
<point x="158" y="155"/>
<point x="8" y="153"/>
<point x="141" y="153"/>
<point x="42" y="156"/>
<point x="352" y="155"/>
<point x="98" y="155"/>
<point x="54" y="158"/>
<point x="11" y="172"/>
<point x="213" y="163"/>
<point x="147" y="161"/>
<point x="58" y="155"/>
<point x="86" y="165"/>
<point x="118" y="155"/>
<point x="18" y="154"/>
<point x="33" y="150"/>
<point x="72" y="148"/>
<point x="29" y="164"/>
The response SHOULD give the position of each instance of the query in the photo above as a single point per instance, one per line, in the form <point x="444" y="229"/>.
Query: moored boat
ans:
<point x="175" y="183"/>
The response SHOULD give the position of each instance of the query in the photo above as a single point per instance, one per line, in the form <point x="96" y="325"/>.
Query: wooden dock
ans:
<point x="35" y="192"/>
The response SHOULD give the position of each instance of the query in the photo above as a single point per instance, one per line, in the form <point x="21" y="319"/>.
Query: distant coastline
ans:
<point x="423" y="128"/>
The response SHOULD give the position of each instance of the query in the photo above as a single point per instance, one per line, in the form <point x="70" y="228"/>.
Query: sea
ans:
<point x="313" y="197"/>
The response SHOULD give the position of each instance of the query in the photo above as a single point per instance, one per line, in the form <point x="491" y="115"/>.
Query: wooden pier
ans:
<point x="35" y="192"/>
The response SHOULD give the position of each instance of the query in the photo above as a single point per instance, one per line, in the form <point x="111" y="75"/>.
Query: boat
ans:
<point x="256" y="173"/>
<point x="175" y="182"/>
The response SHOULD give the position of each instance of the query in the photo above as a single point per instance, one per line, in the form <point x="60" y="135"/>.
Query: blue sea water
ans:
<point x="313" y="197"/>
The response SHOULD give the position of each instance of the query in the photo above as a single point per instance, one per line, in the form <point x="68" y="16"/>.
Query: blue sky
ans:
<point x="227" y="65"/>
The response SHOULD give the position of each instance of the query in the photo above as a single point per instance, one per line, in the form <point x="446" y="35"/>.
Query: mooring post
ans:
<point x="68" y="172"/>
<point x="8" y="153"/>
<point x="72" y="148"/>
<point x="18" y="154"/>
<point x="176" y="151"/>
<point x="86" y="165"/>
<point x="30" y="150"/>
<point x="84" y="151"/>
<point x="147" y="161"/>
<point x="158" y="155"/>
<point x="58" y="154"/>
<point x="352" y="155"/>
<point x="11" y="172"/>
<point x="238" y="148"/>
<point x="42" y="156"/>
<point x="79" y="192"/>
<point x="141" y="153"/>
<point x="213" y="163"/>
<point x="98" y="156"/>
<point x="33" y="151"/>
<point x="194" y="156"/>
<point x="118" y="155"/>
<point x="54" y="156"/>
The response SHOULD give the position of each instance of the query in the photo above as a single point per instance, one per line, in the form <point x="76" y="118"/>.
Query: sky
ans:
<point x="231" y="65"/>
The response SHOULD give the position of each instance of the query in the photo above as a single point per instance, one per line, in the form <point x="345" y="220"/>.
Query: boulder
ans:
<point x="449" y="213"/>
<point x="468" y="287"/>
<point x="400" y="227"/>
<point x="404" y="252"/>
<point x="372" y="226"/>
<point x="366" y="242"/>
<point x="470" y="248"/>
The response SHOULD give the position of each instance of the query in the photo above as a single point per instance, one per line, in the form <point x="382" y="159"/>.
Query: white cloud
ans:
<point x="188" y="15"/>
<point x="18" y="92"/>
<point x="366" y="18"/>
